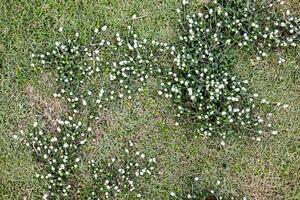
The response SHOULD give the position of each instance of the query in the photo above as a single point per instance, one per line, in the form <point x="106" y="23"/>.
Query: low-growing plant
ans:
<point x="121" y="175"/>
<point x="194" y="189"/>
<point x="195" y="72"/>
<point x="202" y="82"/>
<point x="58" y="153"/>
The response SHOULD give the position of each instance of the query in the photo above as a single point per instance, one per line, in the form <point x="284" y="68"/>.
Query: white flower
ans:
<point x="184" y="2"/>
<point x="101" y="93"/>
<point x="274" y="132"/>
<point x="104" y="28"/>
<point x="190" y="90"/>
<point x="45" y="196"/>
<point x="54" y="139"/>
<point x="58" y="129"/>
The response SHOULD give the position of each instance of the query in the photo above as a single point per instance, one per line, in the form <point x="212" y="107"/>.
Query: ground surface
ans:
<point x="266" y="170"/>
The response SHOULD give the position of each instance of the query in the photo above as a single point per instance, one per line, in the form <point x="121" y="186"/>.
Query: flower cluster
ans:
<point x="59" y="154"/>
<point x="105" y="70"/>
<point x="126" y="62"/>
<point x="195" y="190"/>
<point x="196" y="73"/>
<point x="202" y="82"/>
<point x="252" y="25"/>
<point x="122" y="175"/>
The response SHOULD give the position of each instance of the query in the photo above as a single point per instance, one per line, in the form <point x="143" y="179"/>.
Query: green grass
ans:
<point x="266" y="170"/>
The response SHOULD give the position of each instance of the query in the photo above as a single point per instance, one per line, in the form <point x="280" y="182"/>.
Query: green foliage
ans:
<point x="203" y="84"/>
<point x="195" y="190"/>
<point x="59" y="154"/>
<point x="197" y="76"/>
<point x="121" y="176"/>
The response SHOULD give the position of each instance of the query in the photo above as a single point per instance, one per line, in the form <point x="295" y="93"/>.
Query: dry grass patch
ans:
<point x="50" y="109"/>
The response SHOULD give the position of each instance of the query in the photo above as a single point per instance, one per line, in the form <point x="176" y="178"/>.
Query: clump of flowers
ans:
<point x="253" y="25"/>
<point x="127" y="62"/>
<point x="198" y="77"/>
<point x="195" y="190"/>
<point x="58" y="153"/>
<point x="202" y="82"/>
<point x="122" y="175"/>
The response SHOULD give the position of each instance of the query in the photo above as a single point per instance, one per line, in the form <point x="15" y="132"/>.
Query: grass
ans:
<point x="265" y="170"/>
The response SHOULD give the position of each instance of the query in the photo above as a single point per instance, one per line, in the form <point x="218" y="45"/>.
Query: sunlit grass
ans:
<point x="266" y="170"/>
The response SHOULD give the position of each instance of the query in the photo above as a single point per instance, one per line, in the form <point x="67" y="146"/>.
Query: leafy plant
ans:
<point x="195" y="72"/>
<point x="121" y="175"/>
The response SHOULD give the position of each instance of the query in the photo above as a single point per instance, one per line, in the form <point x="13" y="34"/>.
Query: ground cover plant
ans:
<point x="195" y="74"/>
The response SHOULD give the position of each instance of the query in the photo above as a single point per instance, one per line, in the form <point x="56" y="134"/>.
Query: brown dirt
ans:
<point x="51" y="109"/>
